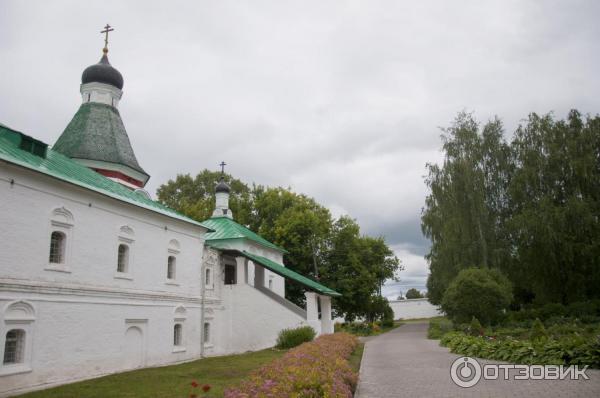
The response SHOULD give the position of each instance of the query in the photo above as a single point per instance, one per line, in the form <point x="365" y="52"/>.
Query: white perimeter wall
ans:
<point x="252" y="319"/>
<point x="414" y="308"/>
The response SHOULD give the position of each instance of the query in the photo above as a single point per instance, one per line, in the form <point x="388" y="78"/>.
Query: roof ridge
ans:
<point x="60" y="166"/>
<point x="240" y="232"/>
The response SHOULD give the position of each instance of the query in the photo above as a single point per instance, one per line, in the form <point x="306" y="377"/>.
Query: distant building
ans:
<point x="96" y="278"/>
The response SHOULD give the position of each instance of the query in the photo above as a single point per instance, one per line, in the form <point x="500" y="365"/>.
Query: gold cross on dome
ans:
<point x="107" y="29"/>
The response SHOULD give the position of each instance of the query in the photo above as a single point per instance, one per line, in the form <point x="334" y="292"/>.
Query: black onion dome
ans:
<point x="222" y="187"/>
<point x="102" y="72"/>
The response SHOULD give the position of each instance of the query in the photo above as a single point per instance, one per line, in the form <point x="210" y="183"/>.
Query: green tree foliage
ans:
<point x="355" y="266"/>
<point x="300" y="225"/>
<point x="529" y="208"/>
<point x="463" y="212"/>
<point x="331" y="251"/>
<point x="413" y="293"/>
<point x="195" y="196"/>
<point x="477" y="292"/>
<point x="378" y="309"/>
<point x="555" y="197"/>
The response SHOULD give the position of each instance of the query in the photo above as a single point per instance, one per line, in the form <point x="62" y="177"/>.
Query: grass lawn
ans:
<point x="356" y="357"/>
<point x="168" y="381"/>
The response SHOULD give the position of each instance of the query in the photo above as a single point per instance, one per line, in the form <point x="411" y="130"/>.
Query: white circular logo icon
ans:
<point x="465" y="372"/>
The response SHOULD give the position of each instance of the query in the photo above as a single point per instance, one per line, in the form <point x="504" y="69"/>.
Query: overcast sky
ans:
<point x="339" y="100"/>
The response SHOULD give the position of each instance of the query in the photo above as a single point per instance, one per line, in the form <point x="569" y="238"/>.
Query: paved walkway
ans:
<point x="404" y="363"/>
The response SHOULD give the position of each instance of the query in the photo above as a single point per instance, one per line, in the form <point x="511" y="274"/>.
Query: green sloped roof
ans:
<point x="288" y="273"/>
<point x="61" y="167"/>
<point x="225" y="229"/>
<point x="96" y="132"/>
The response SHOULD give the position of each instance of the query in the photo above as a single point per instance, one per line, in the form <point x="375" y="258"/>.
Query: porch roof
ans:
<point x="288" y="273"/>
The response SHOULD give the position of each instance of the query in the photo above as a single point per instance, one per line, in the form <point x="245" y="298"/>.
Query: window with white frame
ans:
<point x="60" y="234"/>
<point x="171" y="264"/>
<point x="124" y="252"/>
<point x="123" y="258"/>
<point x="180" y="315"/>
<point x="57" y="247"/>
<point x="19" y="319"/>
<point x="178" y="335"/>
<point x="206" y="332"/>
<point x="14" y="347"/>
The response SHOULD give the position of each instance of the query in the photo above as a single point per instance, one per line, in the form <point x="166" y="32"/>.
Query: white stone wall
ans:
<point x="251" y="320"/>
<point x="414" y="308"/>
<point x="84" y="319"/>
<point x="88" y="319"/>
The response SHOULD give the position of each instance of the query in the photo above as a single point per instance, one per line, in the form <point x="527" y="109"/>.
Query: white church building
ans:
<point x="97" y="278"/>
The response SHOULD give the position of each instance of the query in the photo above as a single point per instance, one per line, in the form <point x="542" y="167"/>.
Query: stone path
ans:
<point x="404" y="363"/>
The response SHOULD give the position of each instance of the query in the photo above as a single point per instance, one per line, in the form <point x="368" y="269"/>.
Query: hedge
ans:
<point x="290" y="338"/>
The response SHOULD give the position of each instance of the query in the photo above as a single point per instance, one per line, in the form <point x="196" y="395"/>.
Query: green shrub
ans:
<point x="551" y="310"/>
<point x="538" y="331"/>
<point x="289" y="338"/>
<point x="388" y="317"/>
<point x="378" y="308"/>
<point x="439" y="327"/>
<point x="572" y="350"/>
<point x="480" y="293"/>
<point x="584" y="308"/>
<point x="475" y="328"/>
<point x="413" y="293"/>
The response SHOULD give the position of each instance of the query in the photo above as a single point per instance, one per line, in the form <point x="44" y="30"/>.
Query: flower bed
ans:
<point x="316" y="369"/>
<point x="571" y="350"/>
<point x="558" y="340"/>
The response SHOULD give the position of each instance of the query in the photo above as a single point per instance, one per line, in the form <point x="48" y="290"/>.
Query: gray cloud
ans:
<point x="339" y="100"/>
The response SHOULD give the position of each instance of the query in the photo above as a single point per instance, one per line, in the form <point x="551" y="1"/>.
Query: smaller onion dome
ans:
<point x="222" y="187"/>
<point x="102" y="72"/>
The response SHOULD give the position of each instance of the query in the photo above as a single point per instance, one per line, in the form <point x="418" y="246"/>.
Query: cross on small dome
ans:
<point x="222" y="186"/>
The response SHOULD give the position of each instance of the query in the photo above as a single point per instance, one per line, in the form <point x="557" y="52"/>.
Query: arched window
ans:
<point x="57" y="247"/>
<point x="177" y="335"/>
<point x="123" y="258"/>
<point x="171" y="262"/>
<point x="271" y="283"/>
<point x="207" y="277"/>
<point x="206" y="332"/>
<point x="14" y="347"/>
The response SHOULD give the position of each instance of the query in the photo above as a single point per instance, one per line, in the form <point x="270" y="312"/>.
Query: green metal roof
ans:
<point x="226" y="229"/>
<point x="96" y="132"/>
<point x="61" y="167"/>
<point x="288" y="273"/>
